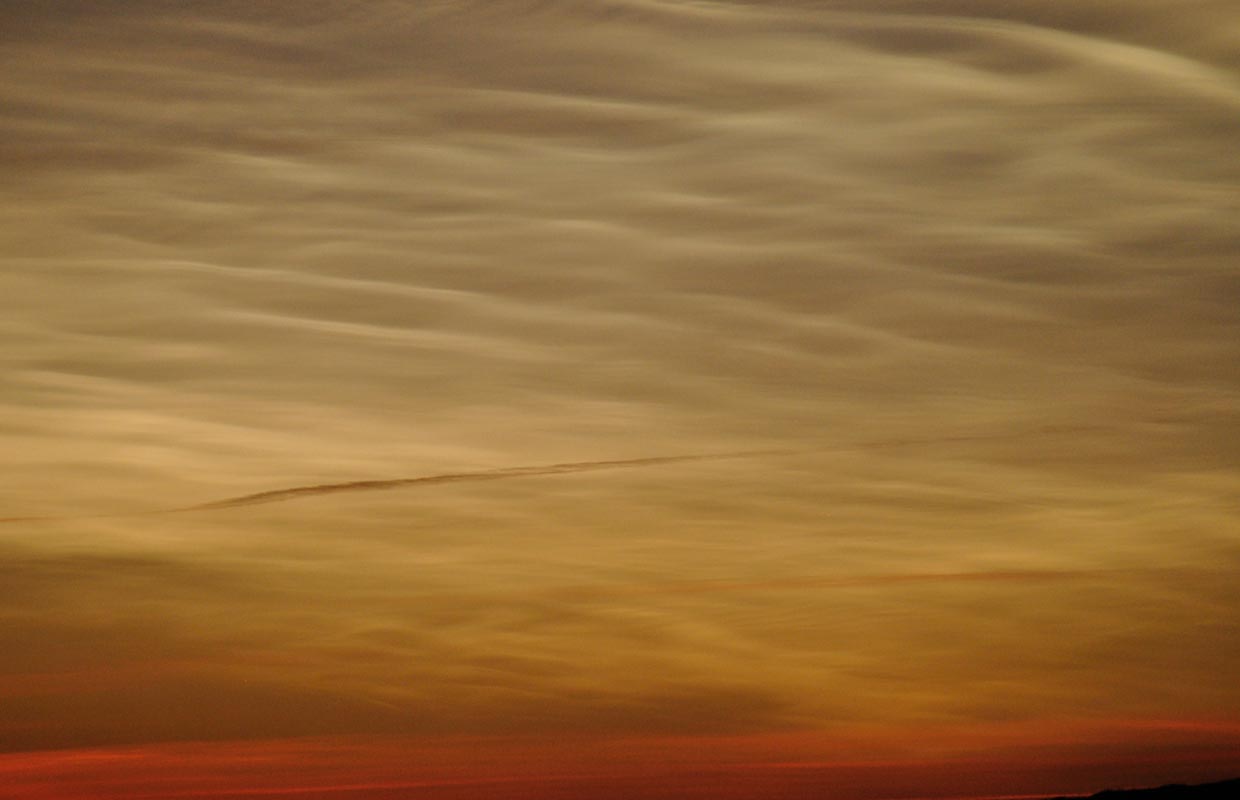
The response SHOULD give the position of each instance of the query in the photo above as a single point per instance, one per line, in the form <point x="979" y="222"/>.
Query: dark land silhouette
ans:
<point x="1219" y="790"/>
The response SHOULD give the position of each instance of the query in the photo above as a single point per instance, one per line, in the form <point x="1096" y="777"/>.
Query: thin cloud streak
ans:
<point x="317" y="490"/>
<point x="839" y="582"/>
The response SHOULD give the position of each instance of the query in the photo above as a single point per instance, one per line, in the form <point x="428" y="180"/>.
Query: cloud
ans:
<point x="861" y="366"/>
<point x="298" y="492"/>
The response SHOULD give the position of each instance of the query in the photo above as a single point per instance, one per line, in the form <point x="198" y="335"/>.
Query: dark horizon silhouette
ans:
<point x="1215" y="790"/>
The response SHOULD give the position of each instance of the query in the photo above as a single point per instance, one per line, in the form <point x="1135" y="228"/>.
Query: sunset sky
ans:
<point x="622" y="400"/>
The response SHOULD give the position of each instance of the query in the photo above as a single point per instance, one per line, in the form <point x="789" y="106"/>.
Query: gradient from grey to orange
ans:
<point x="794" y="384"/>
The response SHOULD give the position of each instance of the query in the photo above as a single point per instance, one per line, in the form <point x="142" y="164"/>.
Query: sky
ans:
<point x="622" y="399"/>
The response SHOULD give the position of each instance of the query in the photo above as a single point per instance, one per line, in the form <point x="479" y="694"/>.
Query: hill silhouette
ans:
<point x="1219" y="790"/>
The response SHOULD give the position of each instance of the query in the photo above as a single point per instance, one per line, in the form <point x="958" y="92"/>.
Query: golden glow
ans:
<point x="644" y="398"/>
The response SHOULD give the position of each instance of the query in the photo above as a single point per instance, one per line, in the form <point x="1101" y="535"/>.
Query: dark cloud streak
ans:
<point x="567" y="468"/>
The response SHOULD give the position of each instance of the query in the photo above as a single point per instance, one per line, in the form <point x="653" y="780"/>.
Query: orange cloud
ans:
<point x="1035" y="758"/>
